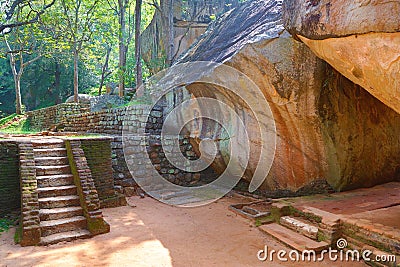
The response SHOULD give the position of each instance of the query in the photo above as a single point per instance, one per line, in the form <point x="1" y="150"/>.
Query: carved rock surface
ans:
<point x="360" y="39"/>
<point x="328" y="128"/>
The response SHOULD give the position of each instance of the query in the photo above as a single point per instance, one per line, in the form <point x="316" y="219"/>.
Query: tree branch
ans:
<point x="10" y="13"/>
<point x="156" y="5"/>
<point x="26" y="64"/>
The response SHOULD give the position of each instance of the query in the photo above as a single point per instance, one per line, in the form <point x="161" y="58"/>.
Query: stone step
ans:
<point x="52" y="170"/>
<point x="372" y="237"/>
<point x="55" y="180"/>
<point x="60" y="213"/>
<point x="62" y="225"/>
<point x="300" y="227"/>
<point x="56" y="191"/>
<point x="48" y="143"/>
<point x="65" y="236"/>
<point x="51" y="161"/>
<point x="353" y="243"/>
<point x="292" y="239"/>
<point x="58" y="202"/>
<point x="50" y="152"/>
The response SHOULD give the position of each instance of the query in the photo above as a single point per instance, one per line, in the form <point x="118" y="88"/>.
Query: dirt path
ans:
<point x="154" y="234"/>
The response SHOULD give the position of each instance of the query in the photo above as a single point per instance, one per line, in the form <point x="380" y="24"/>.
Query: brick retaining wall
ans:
<point x="45" y="118"/>
<point x="10" y="196"/>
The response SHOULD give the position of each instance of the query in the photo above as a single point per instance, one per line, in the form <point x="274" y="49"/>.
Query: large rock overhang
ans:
<point x="327" y="128"/>
<point x="360" y="39"/>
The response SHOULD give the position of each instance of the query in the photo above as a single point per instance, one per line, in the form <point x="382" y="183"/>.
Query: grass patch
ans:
<point x="7" y="119"/>
<point x="321" y="236"/>
<point x="11" y="220"/>
<point x="19" y="125"/>
<point x="18" y="234"/>
<point x="264" y="220"/>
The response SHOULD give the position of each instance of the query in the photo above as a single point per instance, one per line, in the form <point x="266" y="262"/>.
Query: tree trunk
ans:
<point x="170" y="33"/>
<point x="57" y="82"/>
<point x="122" y="48"/>
<point x="17" y="84"/>
<point x="138" y="18"/>
<point x="18" y="101"/>
<point x="76" y="60"/>
<point x="104" y="70"/>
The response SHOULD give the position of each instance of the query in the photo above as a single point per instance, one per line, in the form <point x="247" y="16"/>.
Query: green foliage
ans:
<point x="94" y="91"/>
<point x="7" y="119"/>
<point x="321" y="236"/>
<point x="306" y="215"/>
<point x="18" y="234"/>
<point x="7" y="93"/>
<point x="45" y="83"/>
<point x="5" y="224"/>
<point x="93" y="29"/>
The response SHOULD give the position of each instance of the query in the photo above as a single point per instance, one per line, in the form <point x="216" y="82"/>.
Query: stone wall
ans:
<point x="105" y="156"/>
<point x="113" y="121"/>
<point x="122" y="176"/>
<point x="124" y="180"/>
<point x="46" y="118"/>
<point x="162" y="164"/>
<point x="10" y="195"/>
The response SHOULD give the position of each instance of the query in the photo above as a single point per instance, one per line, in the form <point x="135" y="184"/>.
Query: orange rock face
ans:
<point x="327" y="127"/>
<point x="322" y="19"/>
<point x="360" y="39"/>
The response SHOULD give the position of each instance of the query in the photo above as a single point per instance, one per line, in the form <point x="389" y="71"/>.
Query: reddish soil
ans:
<point x="154" y="234"/>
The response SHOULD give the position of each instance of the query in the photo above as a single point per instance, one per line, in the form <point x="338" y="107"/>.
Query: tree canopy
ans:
<point x="52" y="49"/>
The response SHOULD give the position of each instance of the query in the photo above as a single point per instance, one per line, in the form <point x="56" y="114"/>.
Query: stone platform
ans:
<point x="355" y="202"/>
<point x="366" y="218"/>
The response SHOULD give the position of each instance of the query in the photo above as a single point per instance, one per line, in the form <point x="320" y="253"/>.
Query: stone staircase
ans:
<point x="60" y="211"/>
<point x="295" y="240"/>
<point x="300" y="231"/>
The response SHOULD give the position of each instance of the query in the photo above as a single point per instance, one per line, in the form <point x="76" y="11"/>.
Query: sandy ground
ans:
<point x="154" y="234"/>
